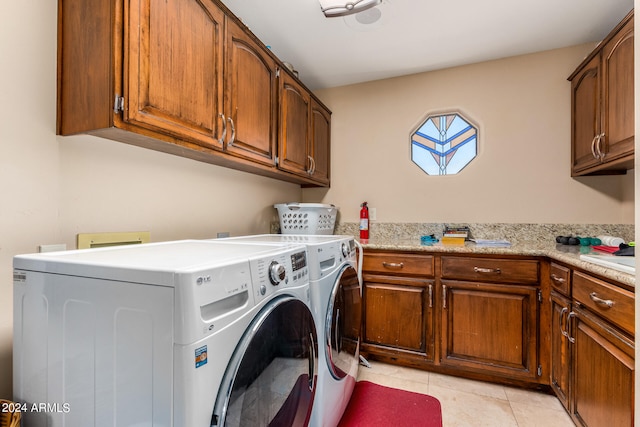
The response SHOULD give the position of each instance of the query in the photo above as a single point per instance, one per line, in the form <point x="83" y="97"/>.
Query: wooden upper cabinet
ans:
<point x="618" y="117"/>
<point x="172" y="85"/>
<point x="295" y="104"/>
<point x="186" y="78"/>
<point x="250" y="99"/>
<point x="602" y="106"/>
<point x="320" y="142"/>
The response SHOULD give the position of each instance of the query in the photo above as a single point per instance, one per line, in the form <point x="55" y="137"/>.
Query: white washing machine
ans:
<point x="184" y="334"/>
<point x="336" y="299"/>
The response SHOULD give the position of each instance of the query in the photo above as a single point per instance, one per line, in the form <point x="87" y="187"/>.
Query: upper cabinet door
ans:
<point x="251" y="92"/>
<point x="173" y="69"/>
<point x="294" y="126"/>
<point x="585" y="111"/>
<point x="618" y="95"/>
<point x="320" y="142"/>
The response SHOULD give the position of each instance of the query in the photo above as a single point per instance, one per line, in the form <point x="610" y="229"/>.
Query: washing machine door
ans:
<point x="342" y="327"/>
<point x="271" y="378"/>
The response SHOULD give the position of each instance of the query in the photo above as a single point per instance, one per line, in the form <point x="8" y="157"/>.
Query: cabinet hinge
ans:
<point x="539" y="295"/>
<point x="539" y="370"/>
<point x="118" y="104"/>
<point x="277" y="159"/>
<point x="277" y="72"/>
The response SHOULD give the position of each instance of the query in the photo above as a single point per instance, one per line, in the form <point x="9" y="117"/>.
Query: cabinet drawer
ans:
<point x="396" y="263"/>
<point x="607" y="300"/>
<point x="560" y="278"/>
<point x="494" y="269"/>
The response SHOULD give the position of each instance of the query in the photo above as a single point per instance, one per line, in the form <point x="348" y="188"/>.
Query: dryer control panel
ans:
<point x="285" y="269"/>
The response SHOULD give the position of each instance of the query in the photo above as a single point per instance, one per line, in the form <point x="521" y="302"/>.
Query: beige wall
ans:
<point x="52" y="187"/>
<point x="521" y="173"/>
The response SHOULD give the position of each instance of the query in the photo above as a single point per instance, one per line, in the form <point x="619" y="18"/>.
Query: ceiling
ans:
<point x="413" y="36"/>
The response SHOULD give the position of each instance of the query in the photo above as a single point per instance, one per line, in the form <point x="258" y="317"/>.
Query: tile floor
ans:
<point x="473" y="403"/>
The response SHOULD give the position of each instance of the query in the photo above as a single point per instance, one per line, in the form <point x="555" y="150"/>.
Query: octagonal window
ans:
<point x="444" y="144"/>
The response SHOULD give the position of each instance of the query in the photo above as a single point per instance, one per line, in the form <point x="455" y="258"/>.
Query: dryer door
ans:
<point x="344" y="315"/>
<point x="270" y="380"/>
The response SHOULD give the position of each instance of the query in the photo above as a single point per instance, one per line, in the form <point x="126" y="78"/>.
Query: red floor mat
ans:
<point x="374" y="405"/>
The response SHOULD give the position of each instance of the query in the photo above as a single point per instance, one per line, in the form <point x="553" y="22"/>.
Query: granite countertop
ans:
<point x="564" y="253"/>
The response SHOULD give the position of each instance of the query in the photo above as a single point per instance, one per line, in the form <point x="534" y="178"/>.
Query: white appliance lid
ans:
<point x="159" y="261"/>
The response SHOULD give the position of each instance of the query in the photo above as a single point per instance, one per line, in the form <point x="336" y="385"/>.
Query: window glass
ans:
<point x="444" y="144"/>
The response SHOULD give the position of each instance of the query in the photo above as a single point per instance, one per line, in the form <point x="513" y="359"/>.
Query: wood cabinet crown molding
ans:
<point x="129" y="71"/>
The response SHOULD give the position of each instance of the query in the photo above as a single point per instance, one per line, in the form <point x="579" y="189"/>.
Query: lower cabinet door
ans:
<point x="490" y="328"/>
<point x="399" y="316"/>
<point x="560" y="349"/>
<point x="603" y="390"/>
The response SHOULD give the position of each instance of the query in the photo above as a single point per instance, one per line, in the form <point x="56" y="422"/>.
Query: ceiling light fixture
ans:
<point x="333" y="8"/>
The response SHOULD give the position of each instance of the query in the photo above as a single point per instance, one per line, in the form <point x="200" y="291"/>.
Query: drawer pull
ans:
<point x="603" y="302"/>
<point x="394" y="265"/>
<point x="557" y="279"/>
<point x="487" y="270"/>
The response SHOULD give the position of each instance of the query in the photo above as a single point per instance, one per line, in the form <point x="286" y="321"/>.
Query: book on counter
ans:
<point x="455" y="235"/>
<point x="446" y="240"/>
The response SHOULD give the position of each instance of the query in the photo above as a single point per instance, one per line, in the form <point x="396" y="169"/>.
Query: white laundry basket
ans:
<point x="306" y="218"/>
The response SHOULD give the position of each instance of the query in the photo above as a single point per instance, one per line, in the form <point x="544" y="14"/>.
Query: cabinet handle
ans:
<point x="312" y="165"/>
<point x="393" y="265"/>
<point x="607" y="303"/>
<point x="569" y="337"/>
<point x="224" y="129"/>
<point x="487" y="270"/>
<point x="557" y="278"/>
<point x="563" y="330"/>
<point x="598" y="147"/>
<point x="444" y="297"/>
<point x="593" y="147"/>
<point x="233" y="131"/>
<point x="430" y="296"/>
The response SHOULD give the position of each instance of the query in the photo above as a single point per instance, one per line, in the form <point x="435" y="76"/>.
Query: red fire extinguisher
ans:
<point x="364" y="221"/>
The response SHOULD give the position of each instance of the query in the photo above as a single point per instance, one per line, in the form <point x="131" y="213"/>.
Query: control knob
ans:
<point x="277" y="273"/>
<point x="345" y="250"/>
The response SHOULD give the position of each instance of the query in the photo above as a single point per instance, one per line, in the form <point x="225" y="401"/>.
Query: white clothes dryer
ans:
<point x="184" y="334"/>
<point x="336" y="300"/>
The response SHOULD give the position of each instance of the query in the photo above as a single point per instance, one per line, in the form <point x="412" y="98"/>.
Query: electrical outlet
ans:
<point x="223" y="234"/>
<point x="373" y="214"/>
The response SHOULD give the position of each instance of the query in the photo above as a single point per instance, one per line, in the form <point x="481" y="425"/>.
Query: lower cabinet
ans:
<point x="399" y="316"/>
<point x="485" y="317"/>
<point x="490" y="328"/>
<point x="599" y="331"/>
<point x="473" y="316"/>
<point x="603" y="373"/>
<point x="399" y="312"/>
<point x="560" y="356"/>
